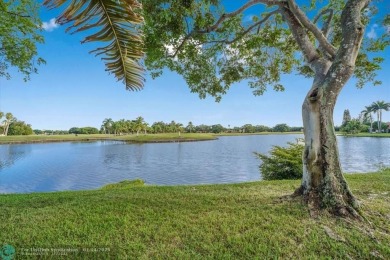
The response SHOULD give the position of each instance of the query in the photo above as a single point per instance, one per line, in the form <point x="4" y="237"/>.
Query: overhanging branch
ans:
<point x="326" y="25"/>
<point x="222" y="18"/>
<point x="352" y="35"/>
<point x="300" y="35"/>
<point x="312" y="28"/>
<point x="250" y="28"/>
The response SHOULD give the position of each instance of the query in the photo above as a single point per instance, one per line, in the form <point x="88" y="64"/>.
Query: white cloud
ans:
<point x="372" y="33"/>
<point x="50" y="26"/>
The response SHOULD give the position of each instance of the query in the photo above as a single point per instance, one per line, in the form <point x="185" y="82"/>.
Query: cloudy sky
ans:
<point x="73" y="89"/>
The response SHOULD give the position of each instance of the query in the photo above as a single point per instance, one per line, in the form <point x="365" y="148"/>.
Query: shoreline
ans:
<point x="131" y="139"/>
<point x="101" y="139"/>
<point x="150" y="138"/>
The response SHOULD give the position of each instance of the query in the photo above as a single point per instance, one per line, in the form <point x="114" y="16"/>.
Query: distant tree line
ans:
<point x="12" y="126"/>
<point x="139" y="125"/>
<point x="365" y="122"/>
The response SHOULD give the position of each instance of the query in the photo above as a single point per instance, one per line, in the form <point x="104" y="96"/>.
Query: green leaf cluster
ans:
<point x="212" y="62"/>
<point x="182" y="35"/>
<point x="20" y="128"/>
<point x="20" y="28"/>
<point x="353" y="127"/>
<point x="282" y="163"/>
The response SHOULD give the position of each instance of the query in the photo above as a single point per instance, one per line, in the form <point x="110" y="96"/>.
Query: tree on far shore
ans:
<point x="378" y="107"/>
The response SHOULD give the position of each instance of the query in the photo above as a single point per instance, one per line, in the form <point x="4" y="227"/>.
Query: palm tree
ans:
<point x="190" y="126"/>
<point x="377" y="108"/>
<point x="367" y="114"/>
<point x="1" y="116"/>
<point x="117" y="23"/>
<point x="107" y="125"/>
<point x="139" y="124"/>
<point x="179" y="128"/>
<point x="172" y="126"/>
<point x="9" y="118"/>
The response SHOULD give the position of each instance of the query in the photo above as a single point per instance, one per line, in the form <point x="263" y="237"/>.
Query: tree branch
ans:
<point x="16" y="14"/>
<point x="312" y="28"/>
<point x="352" y="35"/>
<point x="250" y="28"/>
<point x="309" y="51"/>
<point x="222" y="18"/>
<point x="326" y="25"/>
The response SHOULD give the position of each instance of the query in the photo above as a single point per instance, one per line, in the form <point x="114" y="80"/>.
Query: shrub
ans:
<point x="281" y="128"/>
<point x="283" y="163"/>
<point x="352" y="127"/>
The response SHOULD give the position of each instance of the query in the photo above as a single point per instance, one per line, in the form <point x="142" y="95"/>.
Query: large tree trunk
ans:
<point x="323" y="185"/>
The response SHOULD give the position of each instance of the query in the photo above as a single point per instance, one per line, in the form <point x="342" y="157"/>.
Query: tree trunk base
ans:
<point x="339" y="207"/>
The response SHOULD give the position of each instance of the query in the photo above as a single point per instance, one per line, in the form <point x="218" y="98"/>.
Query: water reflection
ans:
<point x="80" y="165"/>
<point x="9" y="154"/>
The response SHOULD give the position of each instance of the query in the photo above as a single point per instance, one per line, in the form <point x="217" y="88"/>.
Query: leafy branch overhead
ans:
<point x="116" y="22"/>
<point x="214" y="45"/>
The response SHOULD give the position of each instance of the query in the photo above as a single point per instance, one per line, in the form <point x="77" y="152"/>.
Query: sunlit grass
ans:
<point x="235" y="221"/>
<point x="170" y="137"/>
<point x="259" y="133"/>
<point x="368" y="134"/>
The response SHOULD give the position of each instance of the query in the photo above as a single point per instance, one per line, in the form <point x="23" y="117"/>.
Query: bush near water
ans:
<point x="282" y="163"/>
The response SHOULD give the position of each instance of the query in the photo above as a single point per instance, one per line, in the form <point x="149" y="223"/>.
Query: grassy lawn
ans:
<point x="368" y="135"/>
<point x="236" y="221"/>
<point x="130" y="138"/>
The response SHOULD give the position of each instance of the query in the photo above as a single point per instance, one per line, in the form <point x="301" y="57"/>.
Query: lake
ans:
<point x="230" y="159"/>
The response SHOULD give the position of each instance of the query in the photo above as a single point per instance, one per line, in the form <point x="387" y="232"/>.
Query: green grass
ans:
<point x="235" y="221"/>
<point x="175" y="137"/>
<point x="260" y="133"/>
<point x="368" y="135"/>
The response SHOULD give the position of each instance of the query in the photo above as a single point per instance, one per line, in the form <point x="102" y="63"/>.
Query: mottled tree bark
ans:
<point x="323" y="185"/>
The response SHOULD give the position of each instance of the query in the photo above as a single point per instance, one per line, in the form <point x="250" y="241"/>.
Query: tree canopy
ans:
<point x="19" y="36"/>
<point x="214" y="48"/>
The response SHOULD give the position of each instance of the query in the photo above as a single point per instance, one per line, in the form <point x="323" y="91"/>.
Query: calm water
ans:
<point x="78" y="165"/>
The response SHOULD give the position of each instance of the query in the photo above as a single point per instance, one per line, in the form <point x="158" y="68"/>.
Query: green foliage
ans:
<point x="212" y="51"/>
<point x="19" y="35"/>
<point x="283" y="162"/>
<point x="352" y="126"/>
<point x="281" y="128"/>
<point x="83" y="130"/>
<point x="375" y="124"/>
<point x="216" y="129"/>
<point x="364" y="128"/>
<point x="19" y="128"/>
<point x="212" y="62"/>
<point x="346" y="117"/>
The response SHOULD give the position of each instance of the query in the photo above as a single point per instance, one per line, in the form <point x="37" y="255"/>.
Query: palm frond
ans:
<point x="118" y="24"/>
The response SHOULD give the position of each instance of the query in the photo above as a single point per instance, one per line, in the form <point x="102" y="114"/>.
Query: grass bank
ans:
<point x="367" y="135"/>
<point x="142" y="138"/>
<point x="259" y="133"/>
<point x="238" y="221"/>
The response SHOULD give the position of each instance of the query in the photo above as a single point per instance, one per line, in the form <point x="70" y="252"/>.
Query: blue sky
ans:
<point x="73" y="89"/>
